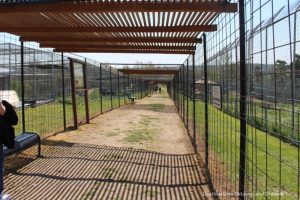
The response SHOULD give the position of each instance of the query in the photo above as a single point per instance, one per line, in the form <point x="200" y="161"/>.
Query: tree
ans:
<point x="297" y="66"/>
<point x="257" y="71"/>
<point x="280" y="70"/>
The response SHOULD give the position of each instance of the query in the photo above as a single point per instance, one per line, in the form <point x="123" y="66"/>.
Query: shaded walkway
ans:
<point x="89" y="169"/>
<point x="85" y="171"/>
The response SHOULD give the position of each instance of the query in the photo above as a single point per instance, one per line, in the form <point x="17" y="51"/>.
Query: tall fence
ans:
<point x="272" y="141"/>
<point x="46" y="79"/>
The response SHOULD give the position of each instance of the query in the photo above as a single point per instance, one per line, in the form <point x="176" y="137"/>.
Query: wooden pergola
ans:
<point x="131" y="26"/>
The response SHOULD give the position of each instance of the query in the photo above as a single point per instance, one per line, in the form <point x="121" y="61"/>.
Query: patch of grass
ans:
<point x="139" y="135"/>
<point x="48" y="118"/>
<point x="143" y="132"/>
<point x="157" y="107"/>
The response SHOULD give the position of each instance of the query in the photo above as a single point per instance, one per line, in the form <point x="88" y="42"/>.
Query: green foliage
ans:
<point x="280" y="70"/>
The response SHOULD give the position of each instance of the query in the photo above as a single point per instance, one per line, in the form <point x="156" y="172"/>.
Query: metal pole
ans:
<point x="124" y="89"/>
<point x="86" y="97"/>
<point x="111" y="100"/>
<point x="194" y="102"/>
<point x="9" y="69"/>
<point x="205" y="99"/>
<point x="243" y="93"/>
<point x="22" y="86"/>
<point x="100" y="89"/>
<point x="187" y="94"/>
<point x="128" y="82"/>
<point x="183" y="95"/>
<point x="179" y="90"/>
<point x="73" y="95"/>
<point x="135" y="88"/>
<point x="119" y="88"/>
<point x="63" y="90"/>
<point x="140" y="88"/>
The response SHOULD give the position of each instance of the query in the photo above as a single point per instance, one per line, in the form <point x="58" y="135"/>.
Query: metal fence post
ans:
<point x="100" y="89"/>
<point x="124" y="89"/>
<point x="205" y="99"/>
<point x="22" y="85"/>
<point x="140" y="88"/>
<point x="63" y="90"/>
<point x="177" y="89"/>
<point x="111" y="100"/>
<point x="119" y="88"/>
<point x="128" y="81"/>
<point x="86" y="97"/>
<point x="243" y="93"/>
<point x="182" y="92"/>
<point x="194" y="102"/>
<point x="73" y="95"/>
<point x="187" y="94"/>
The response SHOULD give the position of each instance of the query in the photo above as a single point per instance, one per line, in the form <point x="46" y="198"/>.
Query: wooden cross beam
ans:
<point x="82" y="29"/>
<point x="117" y="6"/>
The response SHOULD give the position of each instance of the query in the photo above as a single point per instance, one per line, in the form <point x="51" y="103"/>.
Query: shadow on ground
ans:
<point x="156" y="107"/>
<point x="85" y="171"/>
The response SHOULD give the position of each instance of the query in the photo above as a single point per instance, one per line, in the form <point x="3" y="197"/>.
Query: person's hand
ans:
<point x="2" y="109"/>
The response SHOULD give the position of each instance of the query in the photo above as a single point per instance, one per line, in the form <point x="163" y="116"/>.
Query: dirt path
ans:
<point x="139" y="152"/>
<point x="150" y="124"/>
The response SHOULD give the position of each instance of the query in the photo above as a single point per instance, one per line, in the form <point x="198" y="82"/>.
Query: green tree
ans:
<point x="297" y="66"/>
<point x="281" y="70"/>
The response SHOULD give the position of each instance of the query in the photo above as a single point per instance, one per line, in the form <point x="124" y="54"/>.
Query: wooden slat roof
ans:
<point x="157" y="26"/>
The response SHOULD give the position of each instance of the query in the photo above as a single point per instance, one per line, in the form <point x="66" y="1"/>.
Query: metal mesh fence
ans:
<point x="48" y="103"/>
<point x="272" y="101"/>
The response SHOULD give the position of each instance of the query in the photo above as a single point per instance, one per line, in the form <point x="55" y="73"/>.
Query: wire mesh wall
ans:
<point x="48" y="89"/>
<point x="272" y="101"/>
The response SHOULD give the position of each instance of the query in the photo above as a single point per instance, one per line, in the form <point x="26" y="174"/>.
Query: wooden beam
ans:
<point x="82" y="29"/>
<point x="71" y="40"/>
<point x="147" y="71"/>
<point x="137" y="47"/>
<point x="125" y="6"/>
<point x="124" y="51"/>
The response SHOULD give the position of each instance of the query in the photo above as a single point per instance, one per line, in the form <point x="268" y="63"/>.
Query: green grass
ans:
<point x="143" y="132"/>
<point x="264" y="152"/>
<point x="139" y="135"/>
<point x="277" y="121"/>
<point x="48" y="118"/>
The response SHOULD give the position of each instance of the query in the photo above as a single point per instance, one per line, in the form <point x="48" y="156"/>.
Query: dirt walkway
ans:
<point x="150" y="124"/>
<point x="139" y="151"/>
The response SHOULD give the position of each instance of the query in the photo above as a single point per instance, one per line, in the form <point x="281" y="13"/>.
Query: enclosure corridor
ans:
<point x="139" y="151"/>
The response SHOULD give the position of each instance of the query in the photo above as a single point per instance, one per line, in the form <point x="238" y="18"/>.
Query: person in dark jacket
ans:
<point x="2" y="113"/>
